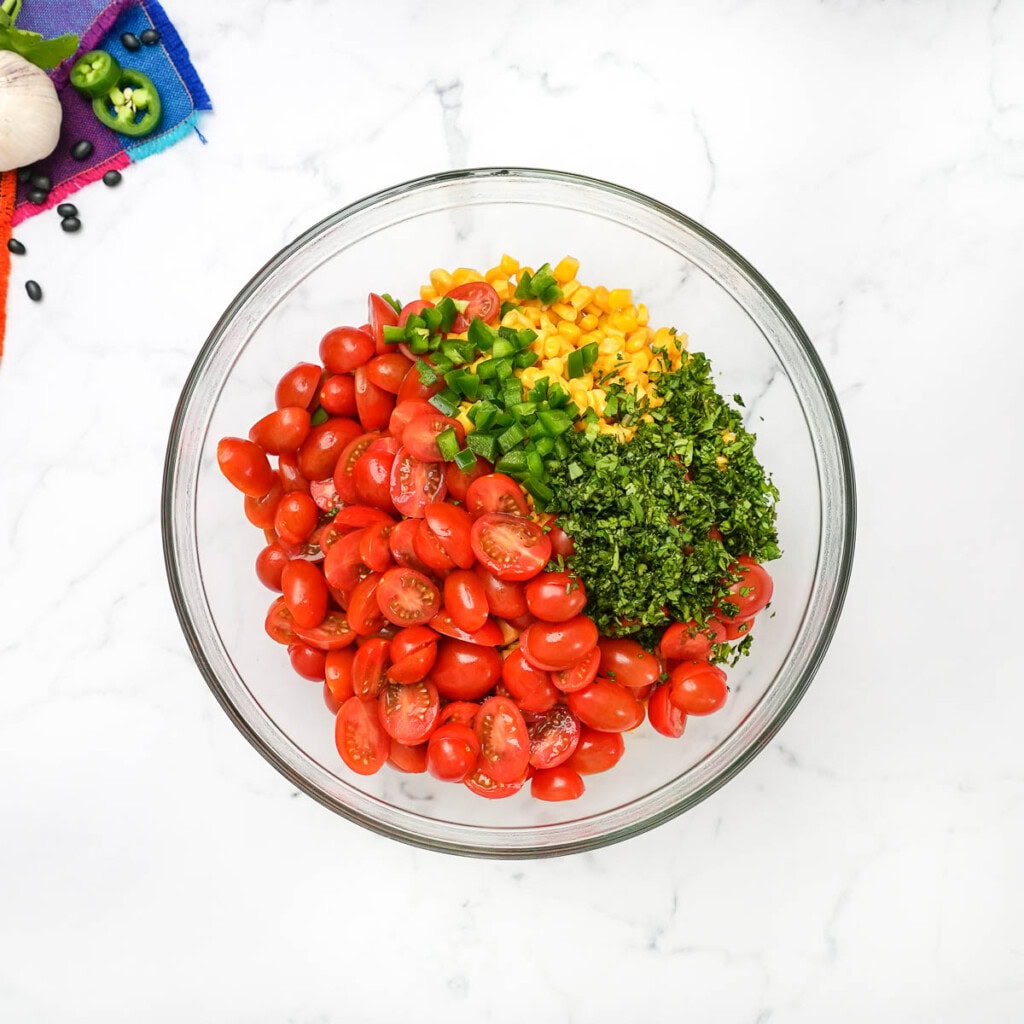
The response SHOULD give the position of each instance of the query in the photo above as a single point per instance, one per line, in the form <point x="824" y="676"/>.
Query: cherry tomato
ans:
<point x="388" y="371"/>
<point x="529" y="687"/>
<point x="483" y="302"/>
<point x="686" y="641"/>
<point x="506" y="599"/>
<point x="465" y="671"/>
<point x="413" y="308"/>
<point x="409" y="713"/>
<point x="555" y="596"/>
<point x="405" y="412"/>
<point x="451" y="525"/>
<point x="246" y="466"/>
<point x="325" y="494"/>
<point x="496" y="492"/>
<point x="319" y="452"/>
<point x="333" y="704"/>
<point x="751" y="593"/>
<point x="305" y="593"/>
<point x="452" y="752"/>
<point x="625" y="661"/>
<point x="608" y="706"/>
<point x="279" y="623"/>
<point x="562" y="545"/>
<point x="355" y="517"/>
<point x="663" y="715"/>
<point x="381" y="314"/>
<point x="413" y="667"/>
<point x="504" y="739"/>
<point x="338" y="395"/>
<point x="409" y="759"/>
<point x="697" y="687"/>
<point x="298" y="386"/>
<point x="260" y="511"/>
<point x="429" y="550"/>
<point x="463" y="711"/>
<point x="460" y="479"/>
<point x="576" y="676"/>
<point x="338" y="673"/>
<point x="345" y="348"/>
<point x="402" y="544"/>
<point x="414" y="484"/>
<point x="420" y="435"/>
<point x="553" y="737"/>
<point x="369" y="666"/>
<point x="359" y="736"/>
<point x="363" y="611"/>
<point x="332" y="634"/>
<point x="295" y="517"/>
<point x="407" y="597"/>
<point x="733" y="629"/>
<point x="489" y="635"/>
<point x="282" y="430"/>
<point x="465" y="599"/>
<point x="344" y="566"/>
<point x="561" y="783"/>
<point x="371" y="476"/>
<point x="373" y="404"/>
<point x="558" y="645"/>
<point x="291" y="477"/>
<point x="596" y="751"/>
<point x="270" y="562"/>
<point x="374" y="549"/>
<point x="307" y="661"/>
<point x="345" y="466"/>
<point x="511" y="547"/>
<point x="412" y="387"/>
<point x="480" y="783"/>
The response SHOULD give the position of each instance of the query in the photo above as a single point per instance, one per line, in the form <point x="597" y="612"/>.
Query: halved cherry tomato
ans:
<point x="319" y="452"/>
<point x="420" y="435"/>
<point x="414" y="484"/>
<point x="344" y="566"/>
<point x="338" y="395"/>
<point x="388" y="371"/>
<point x="307" y="661"/>
<point x="298" y="386"/>
<point x="698" y="688"/>
<point x="451" y="525"/>
<point x="608" y="706"/>
<point x="489" y="635"/>
<point x="246" y="466"/>
<point x="279" y="623"/>
<point x="562" y="545"/>
<point x="291" y="476"/>
<point x="733" y="629"/>
<point x="480" y="783"/>
<point x="356" y="517"/>
<point x="338" y="672"/>
<point x="405" y="412"/>
<point x="295" y="517"/>
<point x="511" y="547"/>
<point x="363" y="611"/>
<point x="465" y="671"/>
<point x="463" y="711"/>
<point x="555" y="596"/>
<point x="402" y="544"/>
<point x="452" y="752"/>
<point x="596" y="751"/>
<point x="529" y="687"/>
<point x="625" y="661"/>
<point x="413" y="387"/>
<point x="504" y="739"/>
<point x="460" y="479"/>
<point x="576" y="676"/>
<point x="333" y="704"/>
<point x="751" y="593"/>
<point x="359" y="736"/>
<point x="496" y="492"/>
<point x="260" y="511"/>
<point x="374" y="549"/>
<point x="325" y="494"/>
<point x="270" y="563"/>
<point x="560" y="783"/>
<point x="482" y="301"/>
<point x="429" y="549"/>
<point x="305" y="593"/>
<point x="506" y="599"/>
<point x="553" y="737"/>
<point x="381" y="314"/>
<point x="332" y="634"/>
<point x="410" y="639"/>
<point x="686" y="641"/>
<point x="413" y="308"/>
<point x="409" y="759"/>
<point x="465" y="599"/>
<point x="373" y="404"/>
<point x="282" y="430"/>
<point x="409" y="713"/>
<point x="371" y="476"/>
<point x="407" y="597"/>
<point x="345" y="465"/>
<point x="558" y="645"/>
<point x="663" y="715"/>
<point x="345" y="348"/>
<point x="413" y="667"/>
<point x="369" y="667"/>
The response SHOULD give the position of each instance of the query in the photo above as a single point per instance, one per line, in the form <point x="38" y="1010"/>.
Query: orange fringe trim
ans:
<point x="8" y="188"/>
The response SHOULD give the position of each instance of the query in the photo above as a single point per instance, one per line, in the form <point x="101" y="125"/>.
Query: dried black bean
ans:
<point x="112" y="178"/>
<point x="70" y="224"/>
<point x="18" y="248"/>
<point x="130" y="41"/>
<point x="37" y="196"/>
<point x="24" y="173"/>
<point x="81" y="150"/>
<point x="35" y="293"/>
<point x="67" y="210"/>
<point x="150" y="37"/>
<point x="42" y="182"/>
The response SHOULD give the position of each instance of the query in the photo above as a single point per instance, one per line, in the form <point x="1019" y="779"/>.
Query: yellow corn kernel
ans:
<point x="587" y="323"/>
<point x="569" y="330"/>
<point x="532" y="315"/>
<point x="580" y="400"/>
<point x="546" y="323"/>
<point x="551" y="345"/>
<point x="569" y="288"/>
<point x="640" y="360"/>
<point x="515" y="318"/>
<point x="721" y="461"/>
<point x="530" y="376"/>
<point x="509" y="265"/>
<point x="595" y="336"/>
<point x="463" y="275"/>
<point x="620" y="298"/>
<point x="728" y="437"/>
<point x="467" y="423"/>
<point x="565" y="269"/>
<point x="642" y="315"/>
<point x="495" y="274"/>
<point x="596" y="401"/>
<point x="503" y="288"/>
<point x="441" y="280"/>
<point x="601" y="299"/>
<point x="637" y="341"/>
<point x="584" y="384"/>
<point x="553" y="366"/>
<point x="565" y="311"/>
<point x="581" y="297"/>
<point x="427" y="293"/>
<point x="624" y="321"/>
<point x="608" y="346"/>
<point x="628" y="373"/>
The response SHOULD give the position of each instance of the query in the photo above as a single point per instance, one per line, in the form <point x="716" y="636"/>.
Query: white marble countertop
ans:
<point x="868" y="158"/>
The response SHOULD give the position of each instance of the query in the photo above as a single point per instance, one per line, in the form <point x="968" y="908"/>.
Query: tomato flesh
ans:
<point x="504" y="739"/>
<point x="359" y="736"/>
<point x="511" y="547"/>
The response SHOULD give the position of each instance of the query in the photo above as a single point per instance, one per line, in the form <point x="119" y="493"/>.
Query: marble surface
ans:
<point x="868" y="158"/>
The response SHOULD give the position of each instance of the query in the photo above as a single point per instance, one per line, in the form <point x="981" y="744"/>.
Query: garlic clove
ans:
<point x="30" y="113"/>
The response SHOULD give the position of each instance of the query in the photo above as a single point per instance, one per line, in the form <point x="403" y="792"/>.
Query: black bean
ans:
<point x="37" y="196"/>
<point x="112" y="178"/>
<point x="130" y="41"/>
<point x="70" y="224"/>
<point x="150" y="37"/>
<point x="67" y="210"/>
<point x="35" y="293"/>
<point x="24" y="173"/>
<point x="42" y="182"/>
<point x="81" y="150"/>
<point x="18" y="248"/>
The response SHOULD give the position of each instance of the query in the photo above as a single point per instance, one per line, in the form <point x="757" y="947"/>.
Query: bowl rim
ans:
<point x="844" y="562"/>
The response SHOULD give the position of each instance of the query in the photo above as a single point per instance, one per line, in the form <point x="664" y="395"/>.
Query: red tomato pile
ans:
<point x="418" y="594"/>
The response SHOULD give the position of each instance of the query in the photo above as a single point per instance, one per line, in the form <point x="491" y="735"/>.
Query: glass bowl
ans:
<point x="389" y="242"/>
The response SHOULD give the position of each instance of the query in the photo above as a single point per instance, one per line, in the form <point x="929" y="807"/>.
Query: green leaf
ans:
<point x="44" y="53"/>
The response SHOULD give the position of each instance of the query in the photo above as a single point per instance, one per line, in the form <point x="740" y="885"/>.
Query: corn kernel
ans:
<point x="642" y="315"/>
<point x="565" y="311"/>
<point x="580" y="400"/>
<point x="565" y="269"/>
<point x="624" y="321"/>
<point x="532" y="315"/>
<point x="546" y="323"/>
<point x="608" y="346"/>
<point x="588" y="322"/>
<point x="568" y="330"/>
<point x="721" y="461"/>
<point x="504" y="290"/>
<point x="551" y="345"/>
<point x="467" y="423"/>
<point x="530" y="376"/>
<point x="552" y="366"/>
<point x="441" y="280"/>
<point x="601" y="299"/>
<point x="728" y="437"/>
<point x="640" y="360"/>
<point x="508" y="265"/>
<point x="637" y="341"/>
<point x="628" y="373"/>
<point x="570" y="288"/>
<point x="427" y="293"/>
<point x="620" y="298"/>
<point x="495" y="274"/>
<point x="578" y="384"/>
<point x="596" y="401"/>
<point x="582" y="297"/>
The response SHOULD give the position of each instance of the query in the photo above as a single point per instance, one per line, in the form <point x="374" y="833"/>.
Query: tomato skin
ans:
<point x="345" y="348"/>
<point x="452" y="752"/>
<point x="295" y="517"/>
<point x="562" y="545"/>
<point x="356" y="517"/>
<point x="511" y="547"/>
<point x="414" y="484"/>
<point x="685" y="641"/>
<point x="480" y="783"/>
<point x="413" y="308"/>
<point x="529" y="687"/>
<point x="555" y="596"/>
<point x="282" y="430"/>
<point x="307" y="661"/>
<point x="607" y="706"/>
<point x="402" y="543"/>
<point x="407" y="597"/>
<point x="489" y="635"/>
<point x="333" y="704"/>
<point x="371" y="477"/>
<point x="343" y="564"/>
<point x="698" y="688"/>
<point x="413" y="667"/>
<point x="751" y="593"/>
<point x="420" y="435"/>
<point x="331" y="634"/>
<point x="260" y="511"/>
<point x="319" y="452"/>
<point x="553" y="737"/>
<point x="506" y="599"/>
<point x="560" y="783"/>
<point x="405" y="412"/>
<point x="578" y="675"/>
<point x="337" y="395"/>
<point x="338" y="673"/>
<point x="290" y="474"/>
<point x="460" y="479"/>
<point x="496" y="492"/>
<point x="360" y="738"/>
<point x="596" y="751"/>
<point x="381" y="314"/>
<point x="429" y="550"/>
<point x="344" y="467"/>
<point x="270" y="563"/>
<point x="388" y="371"/>
<point x="504" y="739"/>
<point x="733" y="629"/>
<point x="325" y="494"/>
<point x="305" y="592"/>
<point x="625" y="661"/>
<point x="298" y="386"/>
<point x="245" y="465"/>
<point x="483" y="303"/>
<point x="663" y="715"/>
<point x="369" y="666"/>
<point x="465" y="600"/>
<point x="374" y="549"/>
<point x="451" y="526"/>
<point x="373" y="404"/>
<point x="279" y="623"/>
<point x="558" y="645"/>
<point x="465" y="671"/>
<point x="409" y="759"/>
<point x="363" y="611"/>
<point x="463" y="711"/>
<point x="409" y="713"/>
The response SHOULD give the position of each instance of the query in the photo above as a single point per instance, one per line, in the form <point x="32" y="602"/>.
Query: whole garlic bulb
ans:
<point x="30" y="112"/>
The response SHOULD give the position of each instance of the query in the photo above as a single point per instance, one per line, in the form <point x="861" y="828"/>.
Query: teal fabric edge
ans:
<point x="176" y="134"/>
